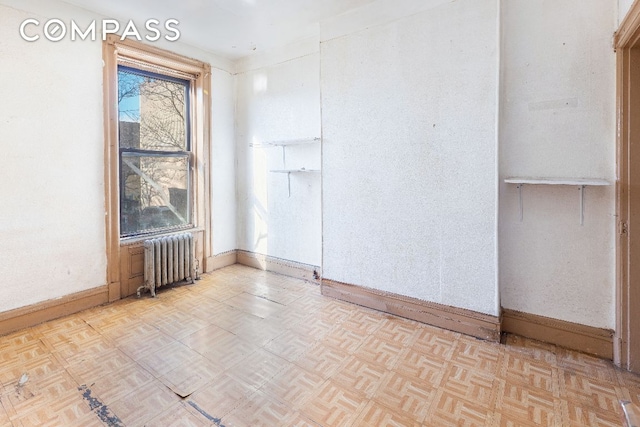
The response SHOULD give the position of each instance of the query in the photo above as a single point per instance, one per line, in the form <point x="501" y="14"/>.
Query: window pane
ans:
<point x="152" y="112"/>
<point x="154" y="193"/>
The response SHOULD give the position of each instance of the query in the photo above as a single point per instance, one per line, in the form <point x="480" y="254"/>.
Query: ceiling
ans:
<point x="230" y="28"/>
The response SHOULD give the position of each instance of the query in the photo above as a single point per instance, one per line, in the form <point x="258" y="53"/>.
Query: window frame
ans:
<point x="187" y="153"/>
<point x="145" y="57"/>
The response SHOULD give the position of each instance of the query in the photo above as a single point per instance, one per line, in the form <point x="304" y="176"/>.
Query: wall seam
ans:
<point x="250" y="70"/>
<point x="497" y="153"/>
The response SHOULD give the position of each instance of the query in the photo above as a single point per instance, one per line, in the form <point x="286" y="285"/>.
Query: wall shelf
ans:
<point x="294" y="170"/>
<point x="581" y="183"/>
<point x="557" y="181"/>
<point x="288" y="143"/>
<point x="284" y="143"/>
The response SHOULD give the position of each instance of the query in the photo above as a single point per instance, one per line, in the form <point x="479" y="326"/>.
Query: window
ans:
<point x="157" y="146"/>
<point x="154" y="152"/>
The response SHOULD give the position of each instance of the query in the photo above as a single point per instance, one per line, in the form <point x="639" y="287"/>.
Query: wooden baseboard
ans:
<point x="222" y="260"/>
<point x="279" y="265"/>
<point x="574" y="336"/>
<point x="114" y="291"/>
<point x="35" y="314"/>
<point x="468" y="322"/>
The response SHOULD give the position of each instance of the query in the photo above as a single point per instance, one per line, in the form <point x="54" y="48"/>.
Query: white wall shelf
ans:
<point x="581" y="183"/>
<point x="284" y="143"/>
<point x="287" y="143"/>
<point x="294" y="170"/>
<point x="557" y="181"/>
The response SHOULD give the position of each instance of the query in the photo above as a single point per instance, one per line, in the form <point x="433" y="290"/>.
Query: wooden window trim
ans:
<point x="170" y="63"/>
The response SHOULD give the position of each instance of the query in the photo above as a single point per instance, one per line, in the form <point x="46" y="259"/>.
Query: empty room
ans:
<point x="319" y="213"/>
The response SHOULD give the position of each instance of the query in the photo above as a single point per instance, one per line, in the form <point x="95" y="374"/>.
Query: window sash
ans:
<point x="188" y="87"/>
<point x="180" y="209"/>
<point x="125" y="154"/>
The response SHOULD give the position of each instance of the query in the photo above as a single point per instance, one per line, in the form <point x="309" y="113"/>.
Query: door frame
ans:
<point x="627" y="47"/>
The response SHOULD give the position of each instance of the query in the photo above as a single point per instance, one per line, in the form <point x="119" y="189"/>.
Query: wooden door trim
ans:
<point x="627" y="34"/>
<point x="627" y="47"/>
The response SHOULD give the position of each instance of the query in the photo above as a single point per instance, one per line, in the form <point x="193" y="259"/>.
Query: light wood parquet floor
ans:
<point x="243" y="347"/>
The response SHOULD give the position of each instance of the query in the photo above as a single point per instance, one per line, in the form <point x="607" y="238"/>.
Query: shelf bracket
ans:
<point x="521" y="208"/>
<point x="289" y="183"/>
<point x="581" y="183"/>
<point x="582" y="205"/>
<point x="519" y="187"/>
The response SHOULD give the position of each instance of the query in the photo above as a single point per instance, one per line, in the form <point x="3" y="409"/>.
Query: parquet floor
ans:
<point x="243" y="347"/>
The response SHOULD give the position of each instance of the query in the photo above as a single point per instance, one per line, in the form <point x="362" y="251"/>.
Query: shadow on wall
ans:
<point x="259" y="198"/>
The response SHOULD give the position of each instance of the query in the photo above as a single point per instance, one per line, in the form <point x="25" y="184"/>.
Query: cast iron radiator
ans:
<point x="168" y="260"/>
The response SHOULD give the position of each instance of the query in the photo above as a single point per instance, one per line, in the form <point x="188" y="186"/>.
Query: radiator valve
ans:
<point x="197" y="269"/>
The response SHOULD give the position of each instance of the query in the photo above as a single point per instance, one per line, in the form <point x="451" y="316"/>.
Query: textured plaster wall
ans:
<point x="409" y="157"/>
<point x="558" y="120"/>
<point x="278" y="98"/>
<point x="52" y="212"/>
<point x="223" y="160"/>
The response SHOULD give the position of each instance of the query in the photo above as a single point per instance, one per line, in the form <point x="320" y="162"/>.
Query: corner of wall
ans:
<point x="271" y="57"/>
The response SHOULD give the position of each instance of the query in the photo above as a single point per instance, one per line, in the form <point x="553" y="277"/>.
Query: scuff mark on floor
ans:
<point x="101" y="410"/>
<point x="23" y="379"/>
<point x="214" y="420"/>
<point x="22" y="390"/>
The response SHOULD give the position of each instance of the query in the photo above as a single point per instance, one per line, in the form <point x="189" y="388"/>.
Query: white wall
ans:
<point x="409" y="156"/>
<point x="52" y="217"/>
<point x="558" y="120"/>
<point x="52" y="192"/>
<point x="278" y="98"/>
<point x="223" y="162"/>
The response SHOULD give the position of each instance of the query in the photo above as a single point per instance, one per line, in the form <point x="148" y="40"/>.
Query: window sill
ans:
<point x="132" y="240"/>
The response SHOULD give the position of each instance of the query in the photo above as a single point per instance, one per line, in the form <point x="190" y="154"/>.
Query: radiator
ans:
<point x="168" y="260"/>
